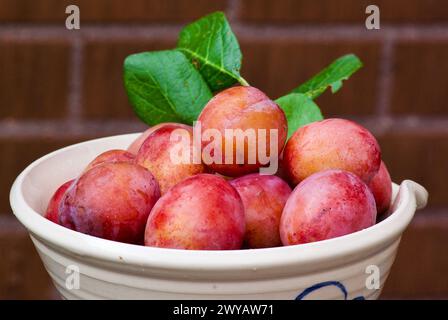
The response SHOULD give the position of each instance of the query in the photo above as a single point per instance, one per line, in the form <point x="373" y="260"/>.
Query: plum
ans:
<point x="137" y="143"/>
<point x="135" y="146"/>
<point x="264" y="197"/>
<point x="111" y="156"/>
<point x="326" y="205"/>
<point x="246" y="110"/>
<point x="52" y="212"/>
<point x="281" y="171"/>
<point x="381" y="187"/>
<point x="331" y="144"/>
<point x="156" y="155"/>
<point x="203" y="212"/>
<point x="111" y="201"/>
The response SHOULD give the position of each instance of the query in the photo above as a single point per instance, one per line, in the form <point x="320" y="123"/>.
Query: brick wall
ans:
<point x="58" y="87"/>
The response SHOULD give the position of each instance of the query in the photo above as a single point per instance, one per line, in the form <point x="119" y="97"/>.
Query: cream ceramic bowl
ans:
<point x="332" y="269"/>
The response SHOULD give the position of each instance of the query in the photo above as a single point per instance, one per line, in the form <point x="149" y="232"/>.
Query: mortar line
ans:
<point x="233" y="9"/>
<point x="55" y="129"/>
<point x="386" y="78"/>
<point x="266" y="32"/>
<point x="403" y="124"/>
<point x="9" y="223"/>
<point x="75" y="80"/>
<point x="64" y="129"/>
<point x="93" y="32"/>
<point x="348" y="32"/>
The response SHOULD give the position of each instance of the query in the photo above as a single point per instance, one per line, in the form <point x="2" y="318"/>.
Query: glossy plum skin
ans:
<point x="331" y="144"/>
<point x="154" y="155"/>
<point x="381" y="187"/>
<point x="326" y="205"/>
<point x="111" y="201"/>
<point x="52" y="212"/>
<point x="111" y="156"/>
<point x="264" y="197"/>
<point x="242" y="108"/>
<point x="203" y="212"/>
<point x="135" y="146"/>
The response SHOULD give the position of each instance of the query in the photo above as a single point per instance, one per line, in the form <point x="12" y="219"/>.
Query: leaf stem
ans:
<point x="243" y="82"/>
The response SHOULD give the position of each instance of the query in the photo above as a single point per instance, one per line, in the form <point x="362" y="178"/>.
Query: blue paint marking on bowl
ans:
<point x="324" y="284"/>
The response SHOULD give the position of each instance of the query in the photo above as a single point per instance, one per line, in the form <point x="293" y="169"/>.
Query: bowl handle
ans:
<point x="420" y="193"/>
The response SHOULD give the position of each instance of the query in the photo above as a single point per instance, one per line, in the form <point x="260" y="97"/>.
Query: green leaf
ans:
<point x="213" y="49"/>
<point x="163" y="86"/>
<point x="299" y="110"/>
<point x="332" y="76"/>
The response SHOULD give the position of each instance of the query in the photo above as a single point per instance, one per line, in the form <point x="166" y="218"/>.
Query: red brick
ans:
<point x="421" y="82"/>
<point x="421" y="157"/>
<point x="420" y="268"/>
<point x="23" y="274"/>
<point x="16" y="155"/>
<point x="278" y="66"/>
<point x="34" y="79"/>
<point x="135" y="11"/>
<point x="104" y="95"/>
<point x="342" y="11"/>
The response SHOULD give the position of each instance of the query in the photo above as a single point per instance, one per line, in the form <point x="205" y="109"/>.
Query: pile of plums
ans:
<point x="140" y="196"/>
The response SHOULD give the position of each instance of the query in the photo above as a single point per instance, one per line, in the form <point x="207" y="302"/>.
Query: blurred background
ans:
<point x="58" y="87"/>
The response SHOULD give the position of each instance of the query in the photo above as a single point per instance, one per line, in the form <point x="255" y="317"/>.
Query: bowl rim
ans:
<point x="374" y="237"/>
